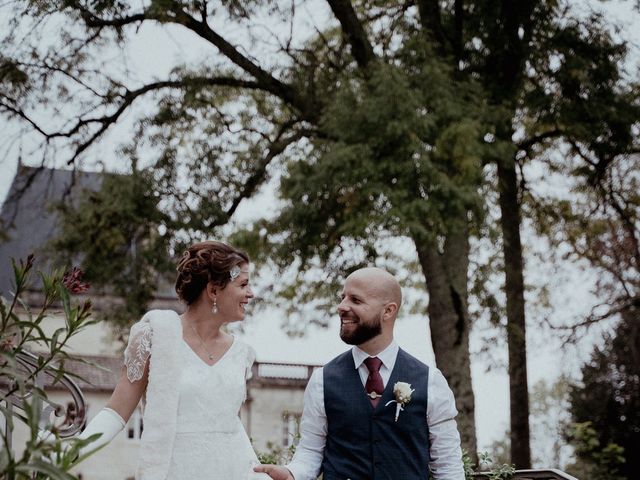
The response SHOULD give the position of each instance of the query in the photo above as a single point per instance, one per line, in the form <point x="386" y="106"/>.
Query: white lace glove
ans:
<point x="108" y="423"/>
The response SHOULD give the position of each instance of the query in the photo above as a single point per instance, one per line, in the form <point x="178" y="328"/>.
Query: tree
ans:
<point x="609" y="396"/>
<point x="549" y="70"/>
<point x="510" y="70"/>
<point x="600" y="227"/>
<point x="123" y="249"/>
<point x="367" y="182"/>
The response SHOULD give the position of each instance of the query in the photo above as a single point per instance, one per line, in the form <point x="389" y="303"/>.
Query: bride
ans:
<point x="191" y="376"/>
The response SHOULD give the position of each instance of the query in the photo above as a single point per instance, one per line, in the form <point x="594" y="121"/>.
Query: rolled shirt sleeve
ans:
<point x="444" y="439"/>
<point x="307" y="460"/>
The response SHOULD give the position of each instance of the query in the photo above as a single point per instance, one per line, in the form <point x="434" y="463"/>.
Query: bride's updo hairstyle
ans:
<point x="206" y="262"/>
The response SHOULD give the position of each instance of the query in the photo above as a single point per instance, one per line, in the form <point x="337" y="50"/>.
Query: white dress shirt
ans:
<point x="444" y="440"/>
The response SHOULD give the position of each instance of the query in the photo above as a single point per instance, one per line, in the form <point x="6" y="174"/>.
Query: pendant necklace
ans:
<point x="210" y="355"/>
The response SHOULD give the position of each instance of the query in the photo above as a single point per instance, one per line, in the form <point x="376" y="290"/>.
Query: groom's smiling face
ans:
<point x="360" y="312"/>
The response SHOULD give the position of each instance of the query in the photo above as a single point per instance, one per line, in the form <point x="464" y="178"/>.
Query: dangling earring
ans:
<point x="214" y="309"/>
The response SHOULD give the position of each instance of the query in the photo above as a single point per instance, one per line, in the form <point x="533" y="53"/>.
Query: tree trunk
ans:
<point x="516" y="331"/>
<point x="446" y="276"/>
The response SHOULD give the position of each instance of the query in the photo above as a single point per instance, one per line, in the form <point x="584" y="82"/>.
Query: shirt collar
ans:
<point x="388" y="355"/>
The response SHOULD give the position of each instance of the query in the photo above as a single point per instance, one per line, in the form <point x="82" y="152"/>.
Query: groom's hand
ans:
<point x="274" y="471"/>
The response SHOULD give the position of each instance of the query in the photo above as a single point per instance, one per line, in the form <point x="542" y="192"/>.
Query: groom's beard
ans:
<point x="362" y="332"/>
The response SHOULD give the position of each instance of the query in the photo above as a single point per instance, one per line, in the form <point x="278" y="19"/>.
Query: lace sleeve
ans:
<point x="250" y="358"/>
<point x="138" y="350"/>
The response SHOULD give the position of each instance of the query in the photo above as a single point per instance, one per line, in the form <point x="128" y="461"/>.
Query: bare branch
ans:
<point x="627" y="223"/>
<point x="582" y="155"/>
<point x="258" y="175"/>
<point x="596" y="318"/>
<point x="204" y="11"/>
<point x="353" y="29"/>
<point x="267" y="81"/>
<point x="131" y="95"/>
<point x="201" y="28"/>
<point x="252" y="183"/>
<point x="94" y="21"/>
<point x="128" y="99"/>
<point x="529" y="143"/>
<point x="18" y="112"/>
<point x="51" y="68"/>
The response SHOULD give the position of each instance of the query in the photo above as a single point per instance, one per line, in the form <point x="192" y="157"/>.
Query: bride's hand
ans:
<point x="275" y="472"/>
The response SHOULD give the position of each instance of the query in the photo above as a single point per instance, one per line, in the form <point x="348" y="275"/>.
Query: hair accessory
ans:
<point x="214" y="309"/>
<point x="234" y="272"/>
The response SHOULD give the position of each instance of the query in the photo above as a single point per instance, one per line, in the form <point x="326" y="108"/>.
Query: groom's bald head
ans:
<point x="379" y="283"/>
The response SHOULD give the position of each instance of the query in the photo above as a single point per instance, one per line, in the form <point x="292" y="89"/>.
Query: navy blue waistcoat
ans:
<point x="364" y="443"/>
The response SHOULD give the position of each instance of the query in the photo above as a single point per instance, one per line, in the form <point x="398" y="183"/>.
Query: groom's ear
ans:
<point x="390" y="310"/>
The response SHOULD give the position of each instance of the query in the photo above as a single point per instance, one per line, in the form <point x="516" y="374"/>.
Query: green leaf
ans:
<point x="66" y="305"/>
<point x="53" y="346"/>
<point x="5" y="460"/>
<point x="41" y="466"/>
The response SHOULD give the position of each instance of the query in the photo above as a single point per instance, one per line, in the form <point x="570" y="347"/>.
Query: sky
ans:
<point x="154" y="53"/>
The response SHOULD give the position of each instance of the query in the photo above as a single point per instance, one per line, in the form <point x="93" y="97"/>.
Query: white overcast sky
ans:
<point x="154" y="52"/>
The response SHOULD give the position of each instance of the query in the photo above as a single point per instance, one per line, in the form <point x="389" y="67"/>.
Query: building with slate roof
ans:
<point x="27" y="220"/>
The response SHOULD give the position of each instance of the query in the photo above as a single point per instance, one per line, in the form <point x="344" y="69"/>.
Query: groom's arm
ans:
<point x="307" y="460"/>
<point x="444" y="439"/>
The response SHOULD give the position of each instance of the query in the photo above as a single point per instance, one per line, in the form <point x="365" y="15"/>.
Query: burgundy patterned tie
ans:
<point x="374" y="385"/>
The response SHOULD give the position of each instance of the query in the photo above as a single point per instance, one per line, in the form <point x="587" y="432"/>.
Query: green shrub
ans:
<point x="593" y="460"/>
<point x="21" y="332"/>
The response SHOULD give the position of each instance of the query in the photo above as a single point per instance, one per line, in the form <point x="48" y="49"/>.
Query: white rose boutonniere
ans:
<point x="402" y="391"/>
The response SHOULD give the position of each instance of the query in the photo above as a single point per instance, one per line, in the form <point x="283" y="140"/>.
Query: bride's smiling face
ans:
<point x="232" y="299"/>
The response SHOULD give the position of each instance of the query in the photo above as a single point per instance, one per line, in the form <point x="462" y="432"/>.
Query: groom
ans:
<point x="353" y="425"/>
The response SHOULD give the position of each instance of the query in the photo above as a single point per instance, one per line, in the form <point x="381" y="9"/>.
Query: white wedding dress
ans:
<point x="210" y="442"/>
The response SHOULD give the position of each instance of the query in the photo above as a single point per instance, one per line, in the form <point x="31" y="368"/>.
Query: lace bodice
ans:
<point x="138" y="350"/>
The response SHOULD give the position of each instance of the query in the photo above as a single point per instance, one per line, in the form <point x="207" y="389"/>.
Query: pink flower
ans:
<point x="8" y="343"/>
<point x="72" y="280"/>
